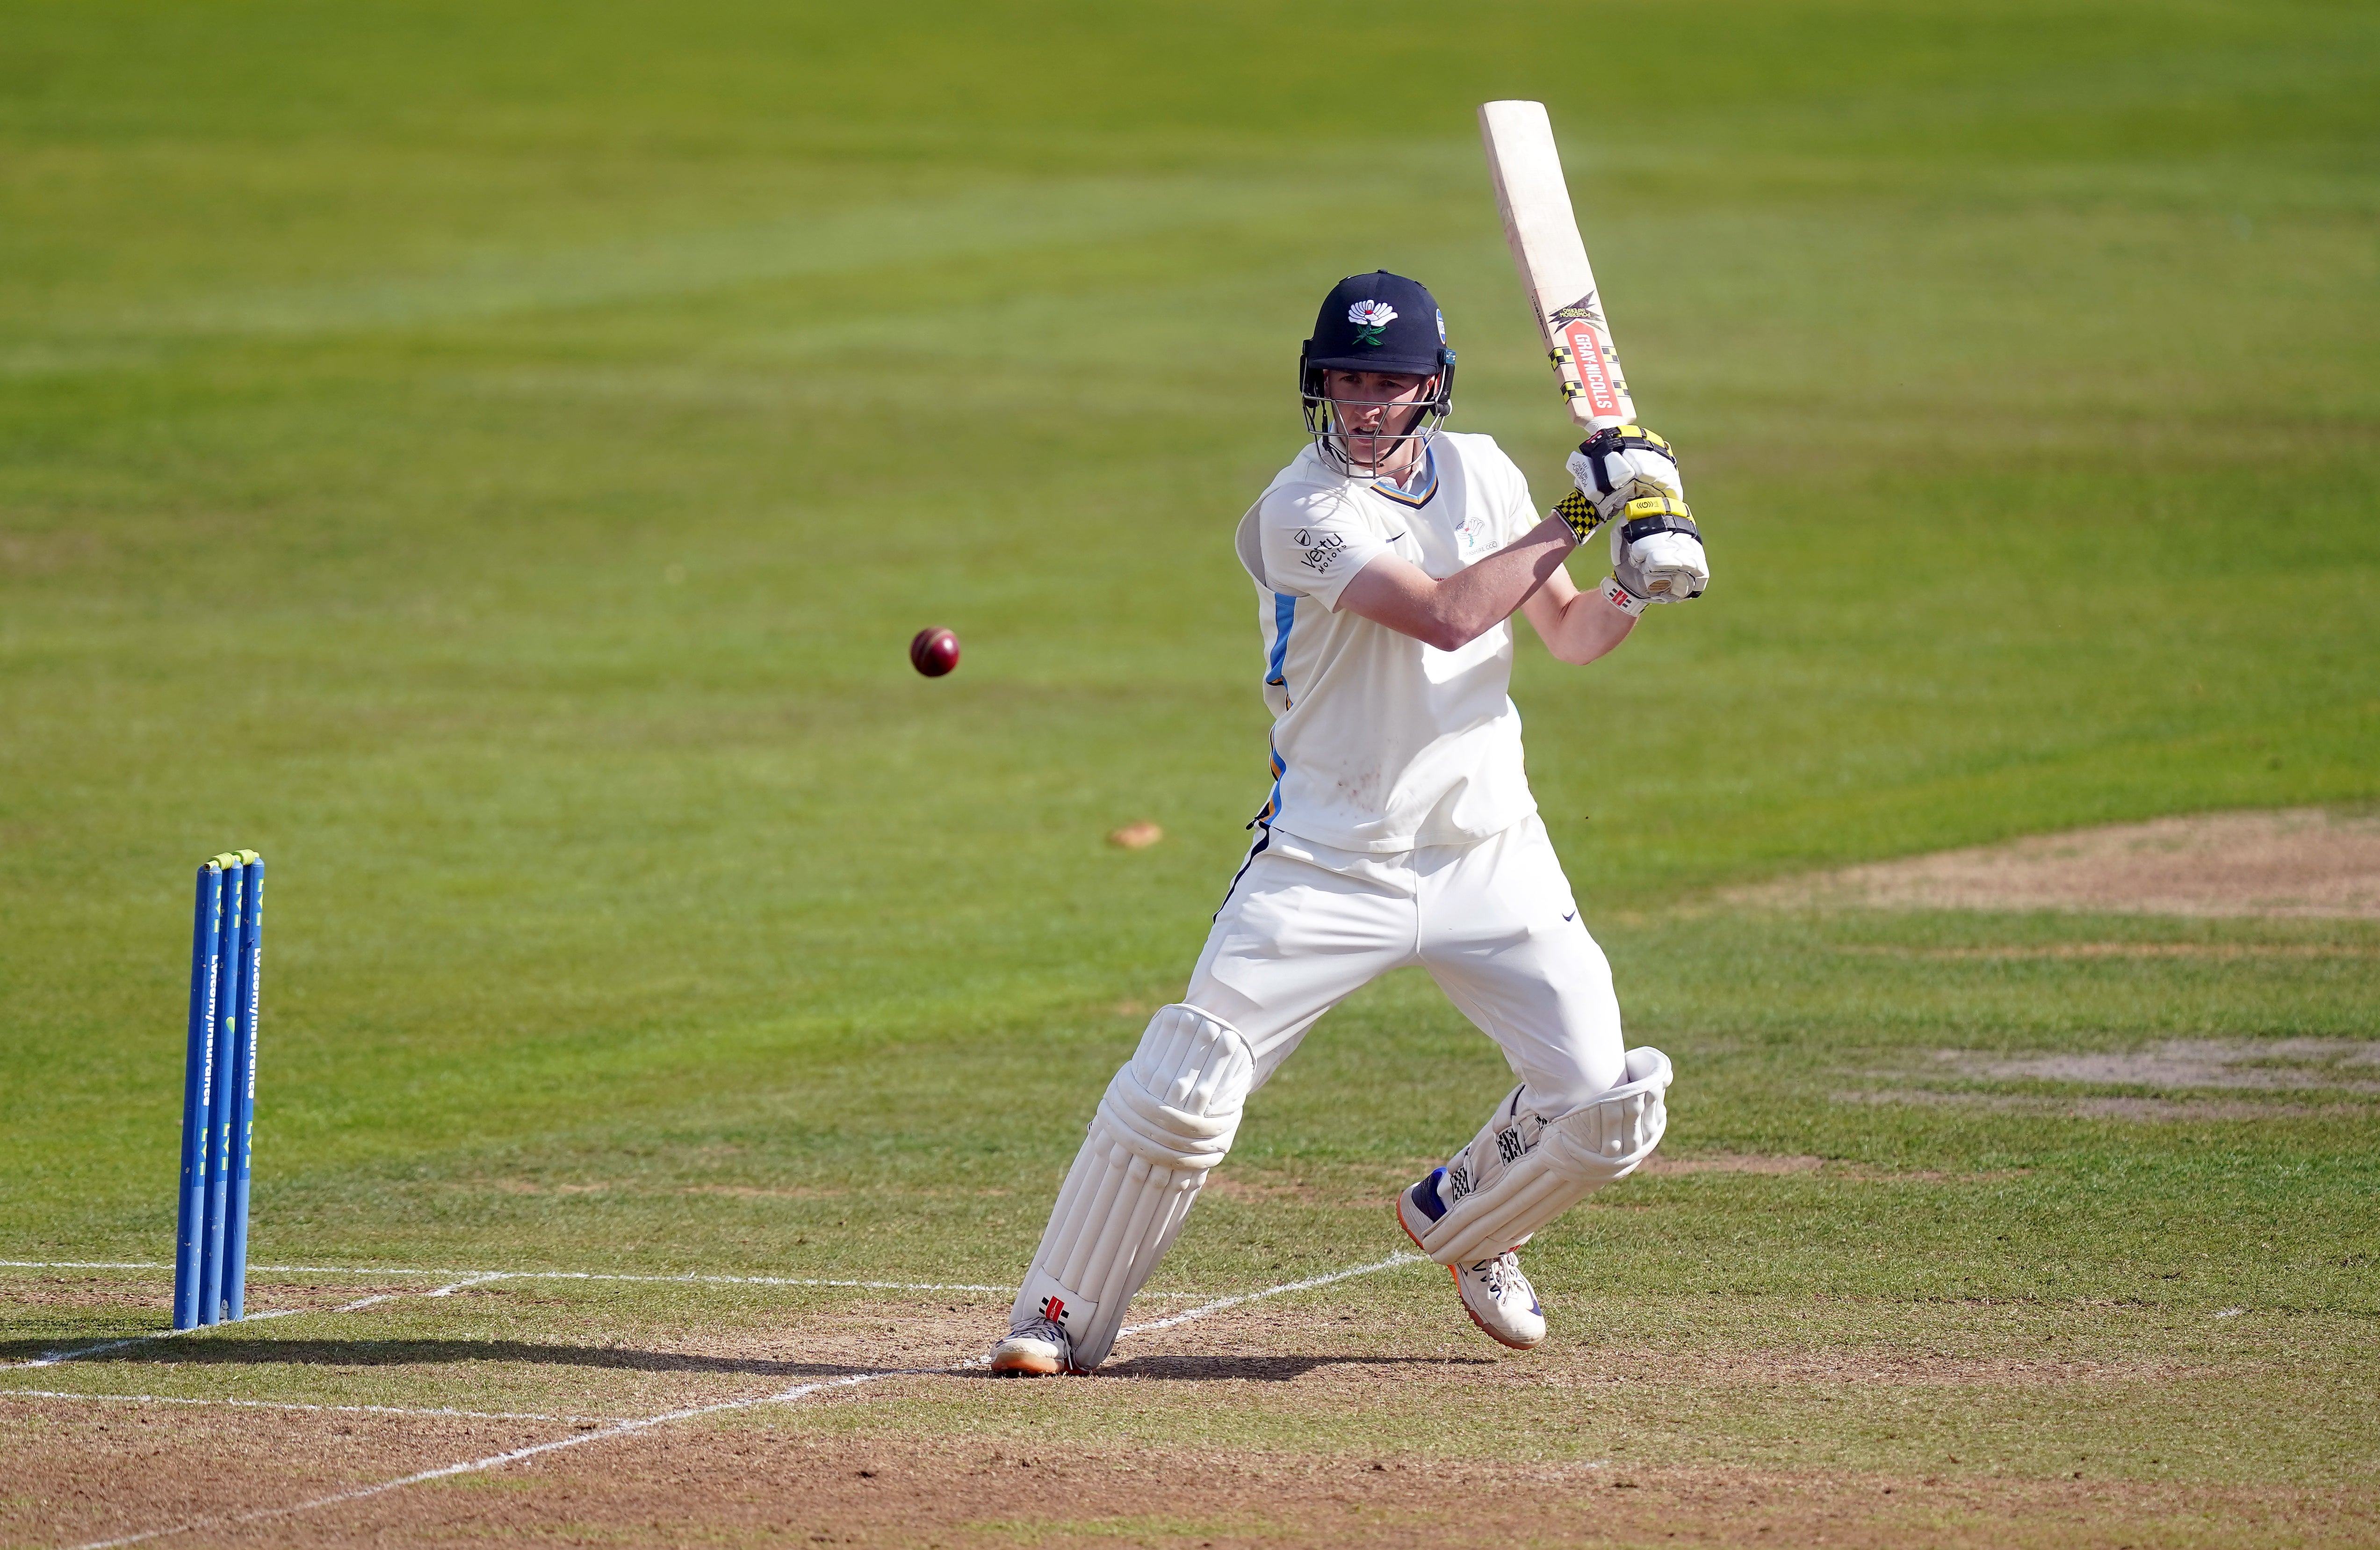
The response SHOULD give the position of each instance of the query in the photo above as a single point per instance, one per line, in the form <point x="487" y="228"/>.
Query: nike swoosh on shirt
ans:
<point x="1572" y="916"/>
<point x="1393" y="537"/>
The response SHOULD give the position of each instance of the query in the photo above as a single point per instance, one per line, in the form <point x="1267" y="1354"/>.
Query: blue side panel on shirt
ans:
<point x="1284" y="614"/>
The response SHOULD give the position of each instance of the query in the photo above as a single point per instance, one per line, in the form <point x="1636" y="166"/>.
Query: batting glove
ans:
<point x="1617" y="465"/>
<point x="1657" y="551"/>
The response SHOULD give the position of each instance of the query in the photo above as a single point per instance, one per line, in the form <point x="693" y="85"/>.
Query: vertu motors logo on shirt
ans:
<point x="1320" y="548"/>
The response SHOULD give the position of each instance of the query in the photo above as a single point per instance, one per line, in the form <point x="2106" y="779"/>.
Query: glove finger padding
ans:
<point x="1623" y="463"/>
<point x="1657" y="551"/>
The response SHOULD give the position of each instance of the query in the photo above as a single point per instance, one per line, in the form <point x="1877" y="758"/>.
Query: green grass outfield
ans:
<point x="491" y="459"/>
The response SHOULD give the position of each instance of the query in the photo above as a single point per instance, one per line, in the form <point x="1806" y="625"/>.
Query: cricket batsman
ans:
<point x="1388" y="558"/>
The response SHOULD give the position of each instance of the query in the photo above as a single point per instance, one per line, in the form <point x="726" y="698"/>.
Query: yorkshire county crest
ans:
<point x="1369" y="318"/>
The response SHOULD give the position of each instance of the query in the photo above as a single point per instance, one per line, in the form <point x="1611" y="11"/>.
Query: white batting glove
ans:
<point x="1628" y="480"/>
<point x="1617" y="465"/>
<point x="1657" y="551"/>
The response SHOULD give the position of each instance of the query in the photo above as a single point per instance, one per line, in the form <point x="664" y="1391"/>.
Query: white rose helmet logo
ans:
<point x="1369" y="318"/>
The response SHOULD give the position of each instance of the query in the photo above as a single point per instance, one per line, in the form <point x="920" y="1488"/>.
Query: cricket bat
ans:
<point x="1543" y="234"/>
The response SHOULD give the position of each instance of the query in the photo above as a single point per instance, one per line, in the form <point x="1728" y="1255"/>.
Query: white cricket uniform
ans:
<point x="1400" y="829"/>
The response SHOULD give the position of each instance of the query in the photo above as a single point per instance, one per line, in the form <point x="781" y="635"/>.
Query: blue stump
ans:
<point x="219" y="1091"/>
<point x="198" y="1098"/>
<point x="239" y="1084"/>
<point x="226" y="1025"/>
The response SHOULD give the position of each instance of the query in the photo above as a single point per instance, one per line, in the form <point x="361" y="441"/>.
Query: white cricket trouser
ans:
<point x="1305" y="926"/>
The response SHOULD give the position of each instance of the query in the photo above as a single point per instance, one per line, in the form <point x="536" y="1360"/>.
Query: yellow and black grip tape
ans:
<point x="1579" y="512"/>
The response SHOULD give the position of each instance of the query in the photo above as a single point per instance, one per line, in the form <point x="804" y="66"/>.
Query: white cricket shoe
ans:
<point x="1497" y="1296"/>
<point x="1500" y="1300"/>
<point x="1035" y="1350"/>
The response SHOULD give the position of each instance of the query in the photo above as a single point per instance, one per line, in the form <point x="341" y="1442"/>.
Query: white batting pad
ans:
<point x="1168" y="1116"/>
<point x="1523" y="1170"/>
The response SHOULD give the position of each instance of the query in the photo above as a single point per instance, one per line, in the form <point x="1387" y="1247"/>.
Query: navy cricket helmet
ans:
<point x="1379" y="323"/>
<point x="1374" y="322"/>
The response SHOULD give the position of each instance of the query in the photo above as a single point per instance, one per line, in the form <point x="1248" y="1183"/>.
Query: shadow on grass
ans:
<point x="400" y="1353"/>
<point x="1263" y="1369"/>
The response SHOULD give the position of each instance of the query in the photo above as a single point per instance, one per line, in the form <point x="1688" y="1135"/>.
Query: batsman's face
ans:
<point x="1371" y="404"/>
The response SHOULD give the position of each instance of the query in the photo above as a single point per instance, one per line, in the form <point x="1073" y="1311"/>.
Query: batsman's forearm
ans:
<point x="1589" y="628"/>
<point x="1453" y="611"/>
<point x="1476" y="600"/>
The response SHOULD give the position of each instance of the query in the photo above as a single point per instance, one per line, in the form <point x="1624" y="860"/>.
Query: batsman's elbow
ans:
<point x="1448" y="636"/>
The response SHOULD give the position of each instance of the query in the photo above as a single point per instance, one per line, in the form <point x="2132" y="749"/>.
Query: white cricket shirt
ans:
<point x="1380" y="742"/>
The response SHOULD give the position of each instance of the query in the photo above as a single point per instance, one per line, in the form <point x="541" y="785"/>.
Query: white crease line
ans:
<point x="391" y="1297"/>
<point x="51" y="1359"/>
<point x="83" y="1264"/>
<point x="6" y="1393"/>
<point x="497" y="1460"/>
<point x="689" y="1277"/>
<point x="742" y="1281"/>
<point x="1401" y="1257"/>
<point x="1009" y="1290"/>
<point x="622" y="1428"/>
<point x="469" y="1278"/>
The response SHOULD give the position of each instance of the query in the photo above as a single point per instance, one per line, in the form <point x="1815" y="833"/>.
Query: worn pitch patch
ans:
<point x="2297" y="861"/>
<point x="2266" y="1065"/>
<point x="2186" y="1079"/>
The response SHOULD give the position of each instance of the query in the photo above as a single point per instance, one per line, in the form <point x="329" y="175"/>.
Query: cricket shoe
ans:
<point x="1500" y="1300"/>
<point x="1494" y="1292"/>
<point x="1038" y="1348"/>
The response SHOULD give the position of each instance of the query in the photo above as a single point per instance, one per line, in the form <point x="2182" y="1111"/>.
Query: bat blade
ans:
<point x="1542" y="231"/>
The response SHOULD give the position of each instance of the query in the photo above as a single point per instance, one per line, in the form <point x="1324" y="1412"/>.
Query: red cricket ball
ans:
<point x="934" y="651"/>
